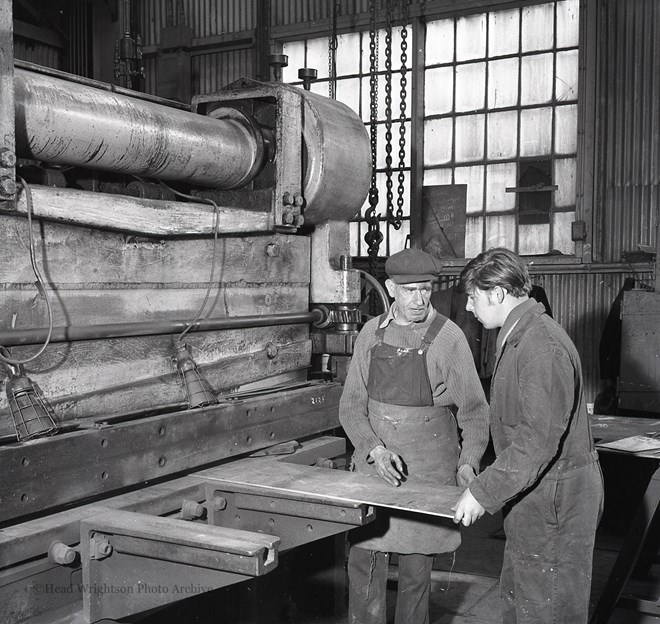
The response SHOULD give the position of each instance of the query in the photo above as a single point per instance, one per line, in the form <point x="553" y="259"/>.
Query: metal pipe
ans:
<point x="69" y="123"/>
<point x="72" y="333"/>
<point x="379" y="289"/>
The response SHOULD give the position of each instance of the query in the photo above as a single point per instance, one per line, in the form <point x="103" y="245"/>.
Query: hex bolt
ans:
<point x="271" y="350"/>
<point x="7" y="158"/>
<point x="287" y="217"/>
<point x="298" y="220"/>
<point x="61" y="553"/>
<point x="287" y="199"/>
<point x="191" y="510"/>
<point x="273" y="250"/>
<point x="7" y="187"/>
<point x="219" y="503"/>
<point x="298" y="200"/>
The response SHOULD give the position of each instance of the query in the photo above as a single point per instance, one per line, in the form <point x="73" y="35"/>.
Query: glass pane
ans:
<point x="498" y="178"/>
<point x="295" y="50"/>
<point x="320" y="87"/>
<point x="534" y="239"/>
<point x="354" y="237"/>
<point x="440" y="42"/>
<point x="502" y="135"/>
<point x="438" y="139"/>
<point x="501" y="231"/>
<point x="348" y="54"/>
<point x="564" y="178"/>
<point x="567" y="76"/>
<point x="538" y="27"/>
<point x="568" y="31"/>
<point x="536" y="79"/>
<point x="437" y="176"/>
<point x="470" y="86"/>
<point x="503" y="32"/>
<point x="398" y="238"/>
<point x="471" y="37"/>
<point x="503" y="83"/>
<point x="535" y="132"/>
<point x="348" y="92"/>
<point x="317" y="56"/>
<point x="474" y="231"/>
<point x="561" y="232"/>
<point x="474" y="178"/>
<point x="439" y="92"/>
<point x="566" y="129"/>
<point x="469" y="138"/>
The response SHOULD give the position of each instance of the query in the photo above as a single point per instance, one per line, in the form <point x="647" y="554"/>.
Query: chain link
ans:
<point x="398" y="220"/>
<point x="373" y="237"/>
<point x="333" y="10"/>
<point x="388" y="112"/>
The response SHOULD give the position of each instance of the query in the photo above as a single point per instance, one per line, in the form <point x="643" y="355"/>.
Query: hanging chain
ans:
<point x="388" y="112"/>
<point x="397" y="221"/>
<point x="373" y="237"/>
<point x="333" y="9"/>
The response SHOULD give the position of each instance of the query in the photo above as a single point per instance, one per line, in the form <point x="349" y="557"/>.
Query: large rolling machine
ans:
<point x="167" y="275"/>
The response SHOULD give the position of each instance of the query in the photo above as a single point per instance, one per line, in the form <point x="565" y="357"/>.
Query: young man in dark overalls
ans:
<point x="411" y="386"/>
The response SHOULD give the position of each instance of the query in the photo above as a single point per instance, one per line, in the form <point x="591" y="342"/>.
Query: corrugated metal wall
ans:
<point x="628" y="145"/>
<point x="38" y="53"/>
<point x="207" y="18"/>
<point x="285" y="12"/>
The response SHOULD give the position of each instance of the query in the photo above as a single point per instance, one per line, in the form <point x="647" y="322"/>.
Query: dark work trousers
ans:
<point x="548" y="557"/>
<point x="367" y="581"/>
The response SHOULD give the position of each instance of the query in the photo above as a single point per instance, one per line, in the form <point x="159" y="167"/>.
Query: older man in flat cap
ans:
<point x="411" y="386"/>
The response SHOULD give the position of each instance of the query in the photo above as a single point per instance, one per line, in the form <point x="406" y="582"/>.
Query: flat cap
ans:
<point x="412" y="265"/>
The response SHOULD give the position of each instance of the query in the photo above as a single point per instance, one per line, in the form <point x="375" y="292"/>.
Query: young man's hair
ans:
<point x="496" y="267"/>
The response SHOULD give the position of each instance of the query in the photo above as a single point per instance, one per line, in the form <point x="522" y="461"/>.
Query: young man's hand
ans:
<point x="468" y="510"/>
<point x="388" y="465"/>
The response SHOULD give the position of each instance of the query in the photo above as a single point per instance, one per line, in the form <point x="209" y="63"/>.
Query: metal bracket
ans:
<point x="134" y="562"/>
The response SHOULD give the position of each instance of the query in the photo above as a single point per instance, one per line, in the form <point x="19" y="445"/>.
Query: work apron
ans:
<point x="402" y="414"/>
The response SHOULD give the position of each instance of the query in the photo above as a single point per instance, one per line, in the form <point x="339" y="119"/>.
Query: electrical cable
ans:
<point x="213" y="255"/>
<point x="40" y="281"/>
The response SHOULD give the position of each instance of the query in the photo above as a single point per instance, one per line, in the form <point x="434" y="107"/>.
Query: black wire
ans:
<point x="40" y="281"/>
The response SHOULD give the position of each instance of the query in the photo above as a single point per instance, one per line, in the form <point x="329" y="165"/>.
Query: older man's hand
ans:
<point x="388" y="465"/>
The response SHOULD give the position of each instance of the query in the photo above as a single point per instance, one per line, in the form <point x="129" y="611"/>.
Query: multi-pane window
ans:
<point x="500" y="117"/>
<point x="353" y="88"/>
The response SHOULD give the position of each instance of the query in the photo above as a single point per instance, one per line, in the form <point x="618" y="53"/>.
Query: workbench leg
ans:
<point x="630" y="551"/>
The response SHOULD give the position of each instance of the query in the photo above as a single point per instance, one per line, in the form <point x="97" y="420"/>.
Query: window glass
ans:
<point x="566" y="80"/>
<point x="564" y="178"/>
<point x="534" y="239"/>
<point x="498" y="179"/>
<point x="474" y="233"/>
<point x="536" y="82"/>
<point x="439" y="91"/>
<point x="438" y="140"/>
<point x="561" y="232"/>
<point x="469" y="138"/>
<point x="535" y="131"/>
<point x="470" y="86"/>
<point x="474" y="178"/>
<point x="437" y="176"/>
<point x="568" y="31"/>
<point x="440" y="42"/>
<point x="501" y="231"/>
<point x="538" y="27"/>
<point x="317" y="56"/>
<point x="348" y="92"/>
<point x="295" y="50"/>
<point x="471" y="37"/>
<point x="566" y="129"/>
<point x="502" y="135"/>
<point x="348" y="54"/>
<point x="503" y="32"/>
<point x="503" y="83"/>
